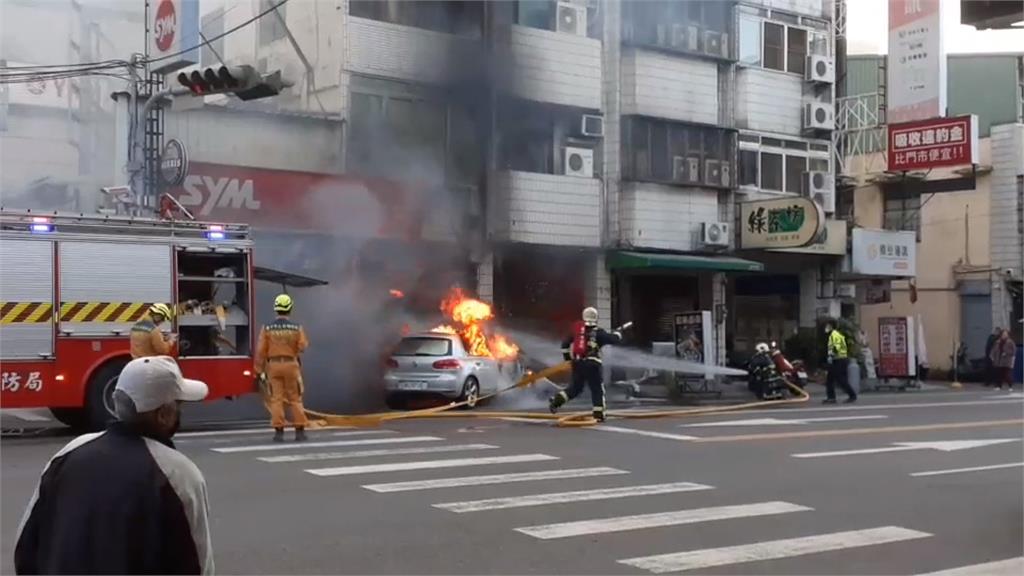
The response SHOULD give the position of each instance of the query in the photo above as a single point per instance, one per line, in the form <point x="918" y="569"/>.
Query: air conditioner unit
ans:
<point x="591" y="125"/>
<point x="684" y="37"/>
<point x="572" y="19"/>
<point x="819" y="187"/>
<point x="715" y="234"/>
<point x="726" y="170"/>
<point x="818" y="116"/>
<point x="713" y="172"/>
<point x="679" y="169"/>
<point x="579" y="162"/>
<point x="692" y="170"/>
<point x="820" y="69"/>
<point x="716" y="43"/>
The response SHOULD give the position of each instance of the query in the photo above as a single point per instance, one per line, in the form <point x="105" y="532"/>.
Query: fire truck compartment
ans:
<point x="213" y="303"/>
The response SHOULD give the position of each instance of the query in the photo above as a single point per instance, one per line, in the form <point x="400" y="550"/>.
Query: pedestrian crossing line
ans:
<point x="241" y="431"/>
<point x="564" y="474"/>
<point x="972" y="469"/>
<point x="326" y="444"/>
<point x="381" y="452"/>
<point x="772" y="550"/>
<point x="1009" y="567"/>
<point x="577" y="496"/>
<point x="216" y="439"/>
<point x="429" y="464"/>
<point x="659" y="519"/>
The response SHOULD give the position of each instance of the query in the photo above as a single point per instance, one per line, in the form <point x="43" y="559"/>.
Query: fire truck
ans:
<point x="72" y="286"/>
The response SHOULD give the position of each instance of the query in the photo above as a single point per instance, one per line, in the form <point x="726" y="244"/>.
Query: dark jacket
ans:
<point x="116" y="502"/>
<point x="992" y="339"/>
<point x="593" y="339"/>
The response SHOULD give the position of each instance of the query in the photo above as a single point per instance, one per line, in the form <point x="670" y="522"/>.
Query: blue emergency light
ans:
<point x="40" y="225"/>
<point x="215" y="232"/>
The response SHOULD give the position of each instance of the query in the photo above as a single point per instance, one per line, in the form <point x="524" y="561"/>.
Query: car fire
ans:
<point x="469" y="317"/>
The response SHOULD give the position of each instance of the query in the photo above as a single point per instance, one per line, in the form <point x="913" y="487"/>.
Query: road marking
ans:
<point x="974" y="469"/>
<point x="299" y="445"/>
<point x="658" y="519"/>
<point x="26" y="414"/>
<point x="650" y="433"/>
<point x="867" y="406"/>
<point x="495" y="479"/>
<point x="1015" y="395"/>
<point x="382" y="452"/>
<point x="345" y="431"/>
<point x="578" y="496"/>
<point x="429" y="464"/>
<point x="772" y="550"/>
<point x="1010" y="567"/>
<point x="858" y="431"/>
<point x="782" y="421"/>
<point x="944" y="446"/>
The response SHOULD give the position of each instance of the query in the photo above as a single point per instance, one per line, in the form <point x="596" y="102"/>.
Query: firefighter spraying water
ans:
<point x="583" y="349"/>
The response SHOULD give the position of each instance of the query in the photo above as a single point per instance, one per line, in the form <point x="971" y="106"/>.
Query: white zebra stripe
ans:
<point x="494" y="479"/>
<point x="298" y="445"/>
<point x="429" y="464"/>
<point x="577" y="496"/>
<point x="382" y="452"/>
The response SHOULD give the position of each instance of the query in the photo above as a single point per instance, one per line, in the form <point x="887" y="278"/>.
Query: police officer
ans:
<point x="277" y="358"/>
<point x="146" y="338"/>
<point x="838" y="361"/>
<point x="583" y="348"/>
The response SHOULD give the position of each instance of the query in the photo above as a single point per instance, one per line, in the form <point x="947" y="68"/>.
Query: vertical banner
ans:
<point x="694" y="340"/>
<point x="896" y="347"/>
<point x="916" y="82"/>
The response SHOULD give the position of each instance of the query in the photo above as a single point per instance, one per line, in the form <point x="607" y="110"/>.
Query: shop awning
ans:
<point x="647" y="260"/>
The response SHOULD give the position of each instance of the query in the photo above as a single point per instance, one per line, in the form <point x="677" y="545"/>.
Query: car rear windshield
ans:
<point x="424" y="347"/>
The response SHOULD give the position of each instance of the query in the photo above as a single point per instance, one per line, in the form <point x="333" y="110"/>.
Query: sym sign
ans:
<point x="783" y="223"/>
<point x="884" y="253"/>
<point x="173" y="27"/>
<point x="933" y="143"/>
<point x="916" y="82"/>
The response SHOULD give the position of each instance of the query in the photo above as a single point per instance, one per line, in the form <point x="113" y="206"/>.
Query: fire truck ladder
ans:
<point x="153" y="144"/>
<point x="119" y="225"/>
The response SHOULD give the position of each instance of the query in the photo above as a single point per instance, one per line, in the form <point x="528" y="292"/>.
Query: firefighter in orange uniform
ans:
<point x="277" y="358"/>
<point x="146" y="337"/>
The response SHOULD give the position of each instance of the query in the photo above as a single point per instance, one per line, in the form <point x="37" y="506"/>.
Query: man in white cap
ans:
<point x="123" y="501"/>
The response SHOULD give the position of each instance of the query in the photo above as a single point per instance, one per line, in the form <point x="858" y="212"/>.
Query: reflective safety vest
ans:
<point x="837" y="345"/>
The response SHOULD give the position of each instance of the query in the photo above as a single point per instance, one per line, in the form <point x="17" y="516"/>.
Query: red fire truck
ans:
<point x="71" y="287"/>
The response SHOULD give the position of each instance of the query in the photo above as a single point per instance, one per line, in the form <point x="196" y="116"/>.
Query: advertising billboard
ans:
<point x="933" y="143"/>
<point x="916" y="83"/>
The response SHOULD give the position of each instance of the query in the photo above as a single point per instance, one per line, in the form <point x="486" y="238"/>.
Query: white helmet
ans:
<point x="590" y="316"/>
<point x="761" y="347"/>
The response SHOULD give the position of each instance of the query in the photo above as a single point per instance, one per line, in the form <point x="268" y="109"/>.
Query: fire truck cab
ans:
<point x="72" y="286"/>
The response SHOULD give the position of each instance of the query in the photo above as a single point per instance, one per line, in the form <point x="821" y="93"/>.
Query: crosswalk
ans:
<point x="377" y="453"/>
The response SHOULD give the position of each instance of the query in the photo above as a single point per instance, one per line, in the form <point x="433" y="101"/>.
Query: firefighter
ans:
<point x="277" y="359"/>
<point x="583" y="348"/>
<point x="146" y="337"/>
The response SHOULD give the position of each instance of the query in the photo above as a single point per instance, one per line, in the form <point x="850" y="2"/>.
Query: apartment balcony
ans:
<point x="544" y="209"/>
<point x="393" y="51"/>
<point x="672" y="87"/>
<point x="664" y="217"/>
<point x="553" y="67"/>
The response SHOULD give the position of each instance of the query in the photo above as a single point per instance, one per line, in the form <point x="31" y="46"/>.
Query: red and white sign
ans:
<point x="173" y="34"/>
<point x="916" y="87"/>
<point x="933" y="143"/>
<point x="165" y="24"/>
<point x="303" y="201"/>
<point x="896" y="354"/>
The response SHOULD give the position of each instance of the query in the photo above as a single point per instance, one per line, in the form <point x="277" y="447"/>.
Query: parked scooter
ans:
<point x="793" y="372"/>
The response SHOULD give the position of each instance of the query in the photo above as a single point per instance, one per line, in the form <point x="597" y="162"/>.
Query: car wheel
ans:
<point x="393" y="401"/>
<point x="100" y="405"/>
<point x="470" y="392"/>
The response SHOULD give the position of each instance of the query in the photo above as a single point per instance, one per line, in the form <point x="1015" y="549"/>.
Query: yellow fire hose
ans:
<point x="577" y="419"/>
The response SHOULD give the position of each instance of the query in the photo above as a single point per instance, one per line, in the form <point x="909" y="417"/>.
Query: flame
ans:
<point x="470" y="316"/>
<point x="396" y="293"/>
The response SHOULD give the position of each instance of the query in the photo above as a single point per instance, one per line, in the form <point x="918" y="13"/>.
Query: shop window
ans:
<point x="676" y="153"/>
<point x="447" y="16"/>
<point x="695" y="26"/>
<point x="902" y="211"/>
<point x="271" y="28"/>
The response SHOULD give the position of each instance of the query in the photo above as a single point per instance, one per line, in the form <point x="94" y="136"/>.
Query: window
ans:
<point x="750" y="41"/>
<point x="748" y="168"/>
<point x="679" y="25"/>
<point x="771" y="171"/>
<point x="271" y="27"/>
<point x="676" y="153"/>
<point x="778" y="165"/>
<point x="796" y="50"/>
<point x="774" y="55"/>
<point x="212" y="26"/>
<point x="795" y="168"/>
<point x="447" y="16"/>
<point x="902" y="211"/>
<point x="536" y="13"/>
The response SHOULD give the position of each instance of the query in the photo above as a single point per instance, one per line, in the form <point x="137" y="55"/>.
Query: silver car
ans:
<point x="438" y="364"/>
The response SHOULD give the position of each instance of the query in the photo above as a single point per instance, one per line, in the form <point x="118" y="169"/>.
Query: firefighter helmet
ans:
<point x="283" y="303"/>
<point x="161" y="309"/>
<point x="590" y="316"/>
<point x="761" y="347"/>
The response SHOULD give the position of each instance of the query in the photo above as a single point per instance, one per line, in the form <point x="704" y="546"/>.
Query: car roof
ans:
<point x="437" y="335"/>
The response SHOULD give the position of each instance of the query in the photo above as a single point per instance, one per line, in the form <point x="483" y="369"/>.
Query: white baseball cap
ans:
<point x="156" y="380"/>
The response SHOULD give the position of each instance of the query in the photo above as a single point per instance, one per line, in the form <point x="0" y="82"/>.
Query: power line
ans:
<point x="221" y="35"/>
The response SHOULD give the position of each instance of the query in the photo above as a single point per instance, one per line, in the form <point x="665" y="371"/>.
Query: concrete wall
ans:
<point x="664" y="86"/>
<point x="403" y="52"/>
<point x="544" y="209"/>
<point x="665" y="217"/>
<point x="769" y="100"/>
<point x="552" y="67"/>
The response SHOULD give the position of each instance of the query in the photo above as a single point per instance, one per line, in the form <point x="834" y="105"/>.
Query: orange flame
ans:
<point x="396" y="293"/>
<point x="470" y="314"/>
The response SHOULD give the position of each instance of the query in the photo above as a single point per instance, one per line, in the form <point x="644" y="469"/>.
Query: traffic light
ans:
<point x="242" y="81"/>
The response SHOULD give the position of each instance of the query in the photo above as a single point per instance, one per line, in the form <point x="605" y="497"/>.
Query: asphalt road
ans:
<point x="783" y="491"/>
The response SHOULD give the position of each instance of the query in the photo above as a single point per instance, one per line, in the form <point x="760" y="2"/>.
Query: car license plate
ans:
<point x="802" y="375"/>
<point x="412" y="385"/>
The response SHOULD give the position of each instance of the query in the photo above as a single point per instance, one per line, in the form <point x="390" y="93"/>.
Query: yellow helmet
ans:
<point x="161" y="309"/>
<point x="283" y="303"/>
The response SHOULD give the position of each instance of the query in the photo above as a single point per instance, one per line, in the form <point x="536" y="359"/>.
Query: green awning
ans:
<point x="648" y="260"/>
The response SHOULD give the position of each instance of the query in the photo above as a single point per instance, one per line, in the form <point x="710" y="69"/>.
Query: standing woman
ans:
<point x="1003" y="355"/>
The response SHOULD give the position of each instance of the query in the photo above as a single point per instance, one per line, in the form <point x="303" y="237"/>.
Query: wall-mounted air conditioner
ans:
<point x="592" y="126"/>
<point x="579" y="162"/>
<point x="716" y="43"/>
<point x="686" y="170"/>
<point x="572" y="19"/>
<point x="819" y="187"/>
<point x="820" y="69"/>
<point x="726" y="170"/>
<point x="818" y="116"/>
<point x="685" y="37"/>
<point x="713" y="172"/>
<point x="715" y="234"/>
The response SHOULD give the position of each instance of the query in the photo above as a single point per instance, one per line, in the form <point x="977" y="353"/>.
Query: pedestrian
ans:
<point x="991" y="377"/>
<point x="278" y="360"/>
<point x="146" y="337"/>
<point x="123" y="501"/>
<point x="583" y="348"/>
<point x="1003" y="356"/>
<point x="838" y="362"/>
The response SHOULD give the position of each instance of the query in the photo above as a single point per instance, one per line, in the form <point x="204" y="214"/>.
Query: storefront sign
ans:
<point x="832" y="242"/>
<point x="283" y="200"/>
<point x="896" y="354"/>
<point x="173" y="34"/>
<point x="933" y="143"/>
<point x="884" y="253"/>
<point x="173" y="163"/>
<point x="783" y="223"/>
<point x="49" y="93"/>
<point x="916" y="87"/>
<point x="694" y="338"/>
